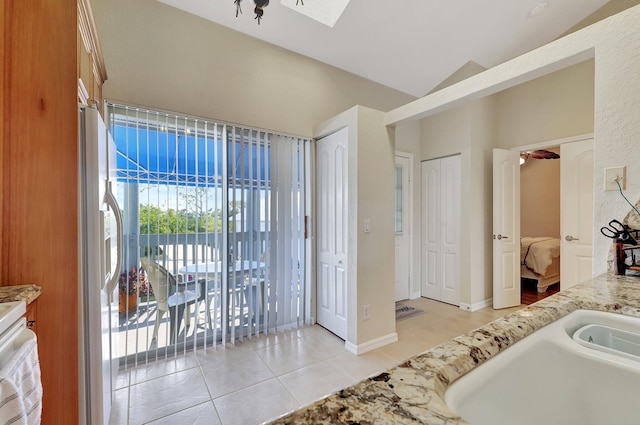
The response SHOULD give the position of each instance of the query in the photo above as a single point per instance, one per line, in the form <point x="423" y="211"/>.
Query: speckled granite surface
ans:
<point x="413" y="391"/>
<point x="26" y="293"/>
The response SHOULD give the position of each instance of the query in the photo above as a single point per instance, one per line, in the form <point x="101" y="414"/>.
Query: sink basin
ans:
<point x="550" y="378"/>
<point x="10" y="312"/>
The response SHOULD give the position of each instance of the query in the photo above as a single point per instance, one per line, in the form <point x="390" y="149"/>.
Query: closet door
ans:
<point x="331" y="161"/>
<point x="450" y="170"/>
<point x="441" y="184"/>
<point x="431" y="229"/>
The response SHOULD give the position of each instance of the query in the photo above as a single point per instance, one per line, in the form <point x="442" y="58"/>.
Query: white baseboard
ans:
<point x="477" y="306"/>
<point x="415" y="295"/>
<point x="370" y="345"/>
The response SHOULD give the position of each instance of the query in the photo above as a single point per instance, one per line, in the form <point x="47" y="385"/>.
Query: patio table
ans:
<point x="243" y="270"/>
<point x="214" y="268"/>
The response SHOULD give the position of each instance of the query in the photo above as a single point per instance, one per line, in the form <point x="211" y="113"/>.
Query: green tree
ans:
<point x="154" y="220"/>
<point x="195" y="216"/>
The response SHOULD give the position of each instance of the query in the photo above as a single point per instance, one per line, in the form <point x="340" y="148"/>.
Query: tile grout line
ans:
<point x="206" y="384"/>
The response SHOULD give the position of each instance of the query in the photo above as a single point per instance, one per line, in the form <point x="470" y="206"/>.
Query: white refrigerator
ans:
<point x="100" y="264"/>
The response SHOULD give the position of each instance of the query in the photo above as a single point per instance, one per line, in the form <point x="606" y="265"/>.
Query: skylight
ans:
<point x="325" y="11"/>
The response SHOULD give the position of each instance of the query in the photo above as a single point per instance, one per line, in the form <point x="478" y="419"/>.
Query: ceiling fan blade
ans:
<point x="543" y="154"/>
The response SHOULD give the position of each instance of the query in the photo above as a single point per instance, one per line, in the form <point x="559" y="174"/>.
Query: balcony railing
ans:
<point x="177" y="250"/>
<point x="174" y="251"/>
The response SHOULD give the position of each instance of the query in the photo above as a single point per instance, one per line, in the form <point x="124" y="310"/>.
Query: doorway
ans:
<point x="214" y="220"/>
<point x="403" y="220"/>
<point x="570" y="227"/>
<point x="539" y="223"/>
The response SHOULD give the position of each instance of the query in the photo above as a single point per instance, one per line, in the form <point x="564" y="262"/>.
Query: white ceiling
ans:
<point x="409" y="45"/>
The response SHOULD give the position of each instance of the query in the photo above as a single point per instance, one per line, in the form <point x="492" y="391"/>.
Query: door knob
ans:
<point x="502" y="236"/>
<point x="570" y="238"/>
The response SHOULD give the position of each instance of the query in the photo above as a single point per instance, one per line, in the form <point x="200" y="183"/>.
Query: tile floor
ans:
<point x="263" y="378"/>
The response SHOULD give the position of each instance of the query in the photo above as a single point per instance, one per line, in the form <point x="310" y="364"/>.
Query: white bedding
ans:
<point x="539" y="252"/>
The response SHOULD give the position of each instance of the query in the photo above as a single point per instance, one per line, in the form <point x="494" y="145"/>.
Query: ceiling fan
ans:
<point x="537" y="154"/>
<point x="259" y="7"/>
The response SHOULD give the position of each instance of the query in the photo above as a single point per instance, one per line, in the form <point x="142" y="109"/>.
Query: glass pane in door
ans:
<point x="398" y="199"/>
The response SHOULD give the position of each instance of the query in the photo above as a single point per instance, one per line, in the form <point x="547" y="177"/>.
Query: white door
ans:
<point x="450" y="183"/>
<point x="402" y="226"/>
<point x="506" y="228"/>
<point x="576" y="193"/>
<point x="440" y="228"/>
<point x="331" y="166"/>
<point x="431" y="255"/>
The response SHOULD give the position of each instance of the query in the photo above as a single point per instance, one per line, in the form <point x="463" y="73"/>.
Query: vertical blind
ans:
<point x="217" y="211"/>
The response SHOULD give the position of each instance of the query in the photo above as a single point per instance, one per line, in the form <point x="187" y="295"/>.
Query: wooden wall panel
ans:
<point x="40" y="184"/>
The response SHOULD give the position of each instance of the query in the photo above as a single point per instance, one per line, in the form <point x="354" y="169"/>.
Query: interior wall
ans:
<point x="161" y="57"/>
<point x="552" y="107"/>
<point x="540" y="197"/>
<point x="481" y="187"/>
<point x="616" y="127"/>
<point x="615" y="44"/>
<point x="610" y="8"/>
<point x="555" y="106"/>
<point x="469" y="130"/>
<point x="376" y="250"/>
<point x="371" y="256"/>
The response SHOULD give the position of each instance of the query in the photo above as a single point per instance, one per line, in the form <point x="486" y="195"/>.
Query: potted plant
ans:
<point x="128" y="290"/>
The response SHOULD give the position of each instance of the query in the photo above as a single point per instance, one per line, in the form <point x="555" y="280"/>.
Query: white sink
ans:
<point x="10" y="312"/>
<point x="550" y="378"/>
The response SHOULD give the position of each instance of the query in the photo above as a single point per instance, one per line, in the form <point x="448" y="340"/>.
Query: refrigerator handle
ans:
<point x="115" y="208"/>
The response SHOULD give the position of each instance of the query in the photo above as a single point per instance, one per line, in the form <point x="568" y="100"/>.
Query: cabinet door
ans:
<point x="91" y="69"/>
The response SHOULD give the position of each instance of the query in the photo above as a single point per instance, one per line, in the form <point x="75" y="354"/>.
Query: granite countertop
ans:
<point x="413" y="392"/>
<point x="27" y="293"/>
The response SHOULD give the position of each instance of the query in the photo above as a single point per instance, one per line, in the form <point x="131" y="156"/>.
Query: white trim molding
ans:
<point x="553" y="143"/>
<point x="370" y="345"/>
<point x="477" y="306"/>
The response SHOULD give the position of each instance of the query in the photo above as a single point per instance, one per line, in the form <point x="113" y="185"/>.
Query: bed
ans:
<point x="540" y="261"/>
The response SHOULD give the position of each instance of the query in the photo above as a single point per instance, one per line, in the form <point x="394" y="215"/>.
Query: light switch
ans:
<point x="611" y="175"/>
<point x="367" y="225"/>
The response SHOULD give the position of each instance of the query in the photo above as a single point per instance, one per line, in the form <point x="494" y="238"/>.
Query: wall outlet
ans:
<point x="365" y="312"/>
<point x="611" y="175"/>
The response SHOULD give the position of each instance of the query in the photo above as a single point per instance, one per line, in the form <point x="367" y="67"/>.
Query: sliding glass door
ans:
<point x="214" y="231"/>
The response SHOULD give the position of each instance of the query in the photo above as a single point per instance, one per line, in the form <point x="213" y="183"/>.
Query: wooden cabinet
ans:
<point x="39" y="196"/>
<point x="91" y="70"/>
